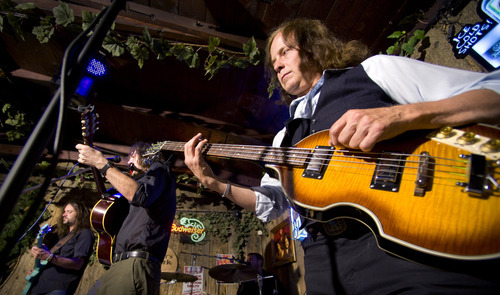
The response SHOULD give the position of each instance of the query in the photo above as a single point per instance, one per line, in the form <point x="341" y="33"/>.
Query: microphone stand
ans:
<point x="46" y="126"/>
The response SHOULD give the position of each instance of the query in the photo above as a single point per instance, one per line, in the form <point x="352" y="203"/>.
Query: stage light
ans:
<point x="96" y="68"/>
<point x="84" y="86"/>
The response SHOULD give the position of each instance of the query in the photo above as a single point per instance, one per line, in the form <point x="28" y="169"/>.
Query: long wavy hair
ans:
<point x="82" y="218"/>
<point x="318" y="48"/>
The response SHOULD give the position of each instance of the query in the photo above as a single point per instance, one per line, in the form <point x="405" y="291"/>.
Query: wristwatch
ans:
<point x="104" y="169"/>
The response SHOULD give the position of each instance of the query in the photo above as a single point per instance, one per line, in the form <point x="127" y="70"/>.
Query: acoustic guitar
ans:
<point x="110" y="211"/>
<point x="39" y="265"/>
<point x="424" y="197"/>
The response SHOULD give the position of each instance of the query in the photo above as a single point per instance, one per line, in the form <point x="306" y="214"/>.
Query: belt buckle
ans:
<point x="117" y="257"/>
<point x="335" y="227"/>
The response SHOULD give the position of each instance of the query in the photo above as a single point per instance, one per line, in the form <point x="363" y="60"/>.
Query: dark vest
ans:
<point x="341" y="91"/>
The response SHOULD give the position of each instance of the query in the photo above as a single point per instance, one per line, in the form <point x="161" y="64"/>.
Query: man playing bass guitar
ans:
<point x="361" y="102"/>
<point x="66" y="261"/>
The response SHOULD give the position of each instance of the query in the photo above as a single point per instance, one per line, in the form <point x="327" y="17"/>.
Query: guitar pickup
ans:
<point x="477" y="172"/>
<point x="388" y="172"/>
<point x="318" y="162"/>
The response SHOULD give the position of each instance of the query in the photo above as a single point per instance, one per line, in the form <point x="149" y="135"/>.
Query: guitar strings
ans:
<point x="325" y="157"/>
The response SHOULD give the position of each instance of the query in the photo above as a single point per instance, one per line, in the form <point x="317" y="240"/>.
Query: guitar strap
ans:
<point x="62" y="242"/>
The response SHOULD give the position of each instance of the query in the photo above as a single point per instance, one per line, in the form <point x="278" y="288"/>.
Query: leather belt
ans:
<point x="341" y="227"/>
<point x="139" y="254"/>
<point x="331" y="229"/>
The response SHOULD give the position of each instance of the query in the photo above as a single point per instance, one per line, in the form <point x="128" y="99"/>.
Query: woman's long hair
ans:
<point x="319" y="49"/>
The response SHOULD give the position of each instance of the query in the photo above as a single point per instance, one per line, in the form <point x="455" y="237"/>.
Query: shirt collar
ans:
<point x="306" y="99"/>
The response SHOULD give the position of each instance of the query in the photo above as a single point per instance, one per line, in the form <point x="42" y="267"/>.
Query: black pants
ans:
<point x="356" y="265"/>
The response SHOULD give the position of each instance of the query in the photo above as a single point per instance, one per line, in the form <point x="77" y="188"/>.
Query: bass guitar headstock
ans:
<point x="43" y="231"/>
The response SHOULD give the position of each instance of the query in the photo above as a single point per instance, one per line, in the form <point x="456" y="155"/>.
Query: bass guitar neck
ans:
<point x="39" y="265"/>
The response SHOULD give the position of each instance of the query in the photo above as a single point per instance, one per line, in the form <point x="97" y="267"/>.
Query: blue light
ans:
<point x="84" y="86"/>
<point x="96" y="68"/>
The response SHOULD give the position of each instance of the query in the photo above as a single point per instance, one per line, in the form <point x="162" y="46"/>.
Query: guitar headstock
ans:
<point x="43" y="231"/>
<point x="154" y="149"/>
<point x="152" y="154"/>
<point x="90" y="122"/>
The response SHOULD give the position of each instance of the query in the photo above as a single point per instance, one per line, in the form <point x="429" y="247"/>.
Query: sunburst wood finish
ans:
<point x="444" y="220"/>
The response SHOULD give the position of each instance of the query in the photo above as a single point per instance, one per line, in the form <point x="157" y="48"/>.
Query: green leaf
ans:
<point x="113" y="46"/>
<point x="270" y="89"/>
<point x="87" y="18"/>
<point x="184" y="53"/>
<point x="195" y="61"/>
<point x="1" y="23"/>
<point x="396" y="35"/>
<point x="64" y="14"/>
<point x="131" y="42"/>
<point x="213" y="42"/>
<point x="43" y="33"/>
<point x="6" y="107"/>
<point x="391" y="50"/>
<point x="140" y="54"/>
<point x="240" y="64"/>
<point x="419" y="34"/>
<point x="47" y="20"/>
<point x="250" y="49"/>
<point x="25" y="6"/>
<point x="161" y="48"/>
<point x="408" y="48"/>
<point x="15" y="24"/>
<point x="147" y="36"/>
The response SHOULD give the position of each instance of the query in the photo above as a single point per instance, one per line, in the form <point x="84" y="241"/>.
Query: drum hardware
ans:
<point x="174" y="277"/>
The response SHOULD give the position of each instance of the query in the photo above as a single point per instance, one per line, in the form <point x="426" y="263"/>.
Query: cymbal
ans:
<point x="177" y="276"/>
<point x="233" y="273"/>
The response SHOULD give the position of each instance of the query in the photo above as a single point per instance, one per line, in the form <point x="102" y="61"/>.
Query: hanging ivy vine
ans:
<point x="139" y="47"/>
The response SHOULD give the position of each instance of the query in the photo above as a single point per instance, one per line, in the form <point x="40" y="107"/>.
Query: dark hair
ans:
<point x="258" y="255"/>
<point x="140" y="148"/>
<point x="82" y="218"/>
<point x="319" y="49"/>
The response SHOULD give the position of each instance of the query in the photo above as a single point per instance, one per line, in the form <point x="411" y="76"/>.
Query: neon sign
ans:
<point x="469" y="36"/>
<point x="190" y="226"/>
<point x="481" y="40"/>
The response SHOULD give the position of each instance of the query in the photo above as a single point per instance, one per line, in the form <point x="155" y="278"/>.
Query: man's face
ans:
<point x="69" y="215"/>
<point x="133" y="160"/>
<point x="287" y="65"/>
<point x="254" y="261"/>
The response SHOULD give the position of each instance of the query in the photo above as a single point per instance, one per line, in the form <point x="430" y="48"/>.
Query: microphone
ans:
<point x="239" y="261"/>
<point x="115" y="159"/>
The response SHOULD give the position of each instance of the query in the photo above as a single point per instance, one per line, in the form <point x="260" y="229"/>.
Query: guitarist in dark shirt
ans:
<point x="66" y="261"/>
<point x="142" y="241"/>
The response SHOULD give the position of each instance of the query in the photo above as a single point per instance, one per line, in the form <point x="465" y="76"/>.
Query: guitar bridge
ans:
<point x="318" y="162"/>
<point x="388" y="172"/>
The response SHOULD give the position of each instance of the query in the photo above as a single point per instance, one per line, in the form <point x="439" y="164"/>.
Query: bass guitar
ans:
<point x="425" y="197"/>
<point x="108" y="213"/>
<point x="39" y="265"/>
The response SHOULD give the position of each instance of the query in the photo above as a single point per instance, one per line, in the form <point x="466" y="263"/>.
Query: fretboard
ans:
<point x="272" y="155"/>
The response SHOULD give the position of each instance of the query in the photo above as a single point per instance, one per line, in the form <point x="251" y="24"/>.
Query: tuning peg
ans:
<point x="491" y="146"/>
<point x="445" y="132"/>
<point x="467" y="138"/>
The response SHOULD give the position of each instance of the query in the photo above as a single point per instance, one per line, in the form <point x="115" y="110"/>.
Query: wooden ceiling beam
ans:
<point x="136" y="17"/>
